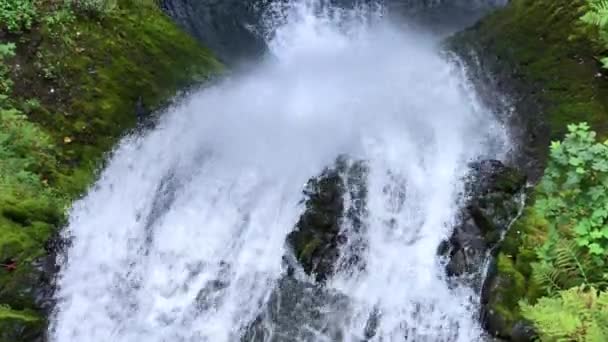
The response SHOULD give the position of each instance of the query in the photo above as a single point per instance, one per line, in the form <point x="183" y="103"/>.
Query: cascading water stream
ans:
<point x="182" y="237"/>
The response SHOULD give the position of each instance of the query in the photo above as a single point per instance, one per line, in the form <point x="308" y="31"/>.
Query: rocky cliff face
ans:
<point x="233" y="29"/>
<point x="228" y="27"/>
<point x="540" y="56"/>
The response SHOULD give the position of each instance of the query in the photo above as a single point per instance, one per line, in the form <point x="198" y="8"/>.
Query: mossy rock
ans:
<point x="19" y="325"/>
<point x="493" y="193"/>
<point x="544" y="44"/>
<point x="317" y="230"/>
<point x="317" y="237"/>
<point x="506" y="288"/>
<point x="510" y="280"/>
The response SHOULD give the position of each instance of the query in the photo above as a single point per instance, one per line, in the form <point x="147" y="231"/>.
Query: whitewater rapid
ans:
<point x="207" y="198"/>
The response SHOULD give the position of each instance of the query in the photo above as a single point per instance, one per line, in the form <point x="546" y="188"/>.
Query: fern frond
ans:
<point x="597" y="14"/>
<point x="565" y="266"/>
<point x="547" y="277"/>
<point x="577" y="314"/>
<point x="570" y="260"/>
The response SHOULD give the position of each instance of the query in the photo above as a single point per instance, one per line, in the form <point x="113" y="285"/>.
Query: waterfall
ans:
<point x="182" y="237"/>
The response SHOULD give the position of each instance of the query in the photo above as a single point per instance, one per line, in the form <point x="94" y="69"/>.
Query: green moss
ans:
<point x="545" y="57"/>
<point x="513" y="281"/>
<point x="104" y="68"/>
<point x="18" y="325"/>
<point x="24" y="315"/>
<point x="305" y="255"/>
<point x="78" y="83"/>
<point x="510" y="181"/>
<point x="511" y="285"/>
<point x="543" y="44"/>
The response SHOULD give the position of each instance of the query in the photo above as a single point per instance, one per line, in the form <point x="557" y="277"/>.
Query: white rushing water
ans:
<point x="207" y="198"/>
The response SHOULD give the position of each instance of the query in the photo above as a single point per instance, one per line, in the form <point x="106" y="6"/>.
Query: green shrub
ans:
<point x="17" y="15"/>
<point x="573" y="199"/>
<point x="6" y="84"/>
<point x="26" y="153"/>
<point x="94" y="7"/>
<point x="575" y="315"/>
<point x="564" y="265"/>
<point x="573" y="194"/>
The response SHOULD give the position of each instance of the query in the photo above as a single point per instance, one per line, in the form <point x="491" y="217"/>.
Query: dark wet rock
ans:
<point x="509" y="280"/>
<point x="372" y="325"/>
<point x="228" y="27"/>
<point x="234" y="29"/>
<point x="30" y="283"/>
<point x="21" y="329"/>
<point x="211" y="294"/>
<point x="500" y="292"/>
<point x="523" y="331"/>
<point x="319" y="234"/>
<point x="493" y="194"/>
<point x="299" y="311"/>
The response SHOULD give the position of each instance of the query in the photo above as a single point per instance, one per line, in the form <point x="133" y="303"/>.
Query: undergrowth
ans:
<point x="572" y="263"/>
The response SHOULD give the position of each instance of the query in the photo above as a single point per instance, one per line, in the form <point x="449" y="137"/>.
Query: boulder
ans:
<point x="493" y="199"/>
<point x="509" y="280"/>
<point x="300" y="311"/>
<point x="318" y="236"/>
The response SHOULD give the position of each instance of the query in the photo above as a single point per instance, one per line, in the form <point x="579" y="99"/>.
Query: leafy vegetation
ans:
<point x="574" y="191"/>
<point x="597" y="15"/>
<point x="577" y="314"/>
<point x="571" y="266"/>
<point x="17" y="15"/>
<point x="7" y="50"/>
<point x="94" y="7"/>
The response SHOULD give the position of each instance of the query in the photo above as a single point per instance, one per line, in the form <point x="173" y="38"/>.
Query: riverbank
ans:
<point x="546" y="60"/>
<point x="72" y="83"/>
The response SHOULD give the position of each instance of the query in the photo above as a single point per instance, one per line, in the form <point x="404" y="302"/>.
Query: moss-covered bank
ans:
<point x="540" y="54"/>
<point x="544" y="58"/>
<point x="77" y="82"/>
<point x="544" y="47"/>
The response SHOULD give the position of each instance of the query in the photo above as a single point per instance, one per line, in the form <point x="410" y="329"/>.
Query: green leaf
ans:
<point x="582" y="228"/>
<point x="7" y="50"/>
<point x="583" y="241"/>
<point x="599" y="214"/>
<point x="596" y="249"/>
<point x="596" y="192"/>
<point x="597" y="234"/>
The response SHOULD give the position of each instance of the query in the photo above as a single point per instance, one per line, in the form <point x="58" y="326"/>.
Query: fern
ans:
<point x="578" y="314"/>
<point x="597" y="14"/>
<point x="566" y="266"/>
